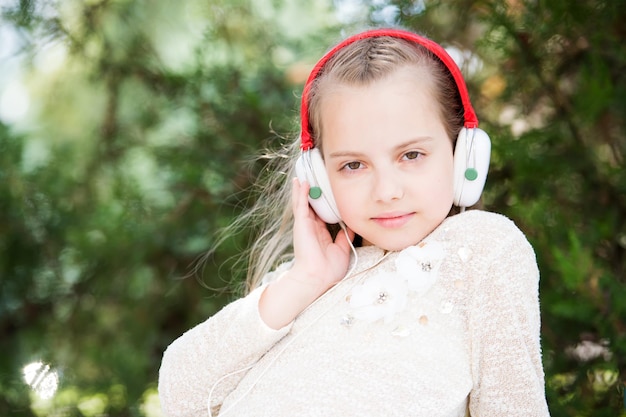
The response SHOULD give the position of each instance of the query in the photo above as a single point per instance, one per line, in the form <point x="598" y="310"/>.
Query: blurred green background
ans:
<point x="125" y="131"/>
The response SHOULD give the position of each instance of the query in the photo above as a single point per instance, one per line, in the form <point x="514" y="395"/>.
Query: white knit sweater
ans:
<point x="444" y="328"/>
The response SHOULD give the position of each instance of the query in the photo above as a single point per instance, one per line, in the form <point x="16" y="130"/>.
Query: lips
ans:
<point x="393" y="220"/>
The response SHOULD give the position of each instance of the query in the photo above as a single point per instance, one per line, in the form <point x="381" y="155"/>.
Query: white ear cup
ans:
<point x="471" y="163"/>
<point x="310" y="167"/>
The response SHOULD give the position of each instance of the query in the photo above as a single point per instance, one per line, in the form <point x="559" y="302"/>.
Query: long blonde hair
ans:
<point x="358" y="64"/>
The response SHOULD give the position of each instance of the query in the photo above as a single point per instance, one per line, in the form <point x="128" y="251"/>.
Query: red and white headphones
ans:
<point x="471" y="153"/>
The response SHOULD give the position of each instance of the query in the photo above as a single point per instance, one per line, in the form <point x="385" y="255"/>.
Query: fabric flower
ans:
<point x="380" y="297"/>
<point x="419" y="265"/>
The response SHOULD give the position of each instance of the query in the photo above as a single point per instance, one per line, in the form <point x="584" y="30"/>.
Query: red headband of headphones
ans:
<point x="471" y="121"/>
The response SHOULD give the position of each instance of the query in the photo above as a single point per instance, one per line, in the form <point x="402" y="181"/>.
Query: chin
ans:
<point x="393" y="246"/>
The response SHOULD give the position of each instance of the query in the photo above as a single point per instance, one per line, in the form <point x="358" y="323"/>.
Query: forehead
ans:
<point x="392" y="110"/>
<point x="331" y="83"/>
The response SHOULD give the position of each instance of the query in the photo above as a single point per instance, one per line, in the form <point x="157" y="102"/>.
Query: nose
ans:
<point x="387" y="185"/>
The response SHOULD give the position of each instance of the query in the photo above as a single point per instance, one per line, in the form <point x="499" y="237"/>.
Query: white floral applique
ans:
<point x="386" y="294"/>
<point x="419" y="265"/>
<point x="380" y="297"/>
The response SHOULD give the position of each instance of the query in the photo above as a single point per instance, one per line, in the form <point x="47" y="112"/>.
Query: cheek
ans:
<point x="447" y="180"/>
<point x="441" y="185"/>
<point x="344" y="196"/>
<point x="447" y="186"/>
<point x="349" y="198"/>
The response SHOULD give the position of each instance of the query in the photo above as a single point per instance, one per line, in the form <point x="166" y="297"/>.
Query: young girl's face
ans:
<point x="389" y="159"/>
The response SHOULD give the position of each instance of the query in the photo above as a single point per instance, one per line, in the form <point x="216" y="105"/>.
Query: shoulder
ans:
<point x="478" y="225"/>
<point x="479" y="219"/>
<point x="492" y="250"/>
<point x="491" y="235"/>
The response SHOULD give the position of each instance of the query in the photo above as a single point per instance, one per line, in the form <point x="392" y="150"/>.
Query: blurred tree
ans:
<point x="130" y="158"/>
<point x="115" y="181"/>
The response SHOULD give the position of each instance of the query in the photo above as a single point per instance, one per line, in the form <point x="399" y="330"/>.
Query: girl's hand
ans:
<point x="319" y="264"/>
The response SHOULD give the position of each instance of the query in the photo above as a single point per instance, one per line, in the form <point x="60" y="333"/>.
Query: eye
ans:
<point x="352" y="166"/>
<point x="411" y="155"/>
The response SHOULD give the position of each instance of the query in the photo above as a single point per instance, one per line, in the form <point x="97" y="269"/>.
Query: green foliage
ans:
<point x="117" y="182"/>
<point x="130" y="159"/>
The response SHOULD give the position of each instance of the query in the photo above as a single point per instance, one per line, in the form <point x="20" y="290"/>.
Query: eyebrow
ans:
<point x="415" y="141"/>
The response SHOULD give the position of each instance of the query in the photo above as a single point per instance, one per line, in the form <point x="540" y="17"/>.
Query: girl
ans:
<point x="435" y="313"/>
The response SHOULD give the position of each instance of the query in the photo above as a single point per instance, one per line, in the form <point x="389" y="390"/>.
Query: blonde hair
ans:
<point x="358" y="64"/>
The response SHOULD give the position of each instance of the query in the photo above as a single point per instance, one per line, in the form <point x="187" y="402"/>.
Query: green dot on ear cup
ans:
<point x="315" y="192"/>
<point x="471" y="174"/>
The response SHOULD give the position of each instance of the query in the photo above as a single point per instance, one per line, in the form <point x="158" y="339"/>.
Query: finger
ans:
<point x="344" y="239"/>
<point x="299" y="197"/>
<point x="321" y="230"/>
<point x="295" y="190"/>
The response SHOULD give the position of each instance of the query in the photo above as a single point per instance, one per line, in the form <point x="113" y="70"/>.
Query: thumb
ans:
<point x="344" y="239"/>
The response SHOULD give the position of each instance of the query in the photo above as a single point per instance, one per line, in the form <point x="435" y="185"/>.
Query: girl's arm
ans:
<point x="243" y="331"/>
<point x="228" y="342"/>
<point x="505" y="326"/>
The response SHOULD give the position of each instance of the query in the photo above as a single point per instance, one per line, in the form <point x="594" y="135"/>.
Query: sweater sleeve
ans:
<point x="228" y="342"/>
<point x="505" y="325"/>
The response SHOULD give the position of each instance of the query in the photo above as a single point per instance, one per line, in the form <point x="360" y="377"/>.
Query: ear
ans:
<point x="310" y="167"/>
<point x="471" y="163"/>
